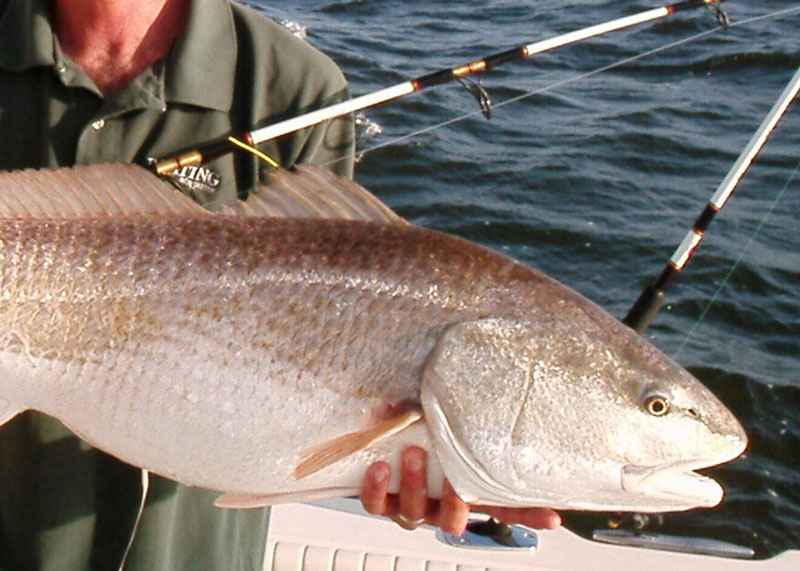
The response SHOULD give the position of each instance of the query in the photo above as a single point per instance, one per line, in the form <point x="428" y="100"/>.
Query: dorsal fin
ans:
<point x="309" y="191"/>
<point x="93" y="191"/>
<point x="119" y="190"/>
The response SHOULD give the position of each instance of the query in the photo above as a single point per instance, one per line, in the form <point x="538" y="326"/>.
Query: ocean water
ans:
<point x="592" y="168"/>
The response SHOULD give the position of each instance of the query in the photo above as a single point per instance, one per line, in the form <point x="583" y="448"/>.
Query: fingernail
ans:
<point x="380" y="474"/>
<point x="415" y="463"/>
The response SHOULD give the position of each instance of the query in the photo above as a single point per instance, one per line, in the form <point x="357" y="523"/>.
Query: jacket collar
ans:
<point x="201" y="66"/>
<point x="26" y="37"/>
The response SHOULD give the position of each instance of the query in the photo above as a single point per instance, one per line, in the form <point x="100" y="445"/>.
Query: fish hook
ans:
<point x="479" y="93"/>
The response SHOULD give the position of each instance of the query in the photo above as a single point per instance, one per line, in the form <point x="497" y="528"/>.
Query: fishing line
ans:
<point x="553" y="86"/>
<point x="205" y="152"/>
<point x="145" y="477"/>
<point x="649" y="302"/>
<point x="738" y="261"/>
<point x="548" y="88"/>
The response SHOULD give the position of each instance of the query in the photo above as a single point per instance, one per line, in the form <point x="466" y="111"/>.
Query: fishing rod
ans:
<point x="652" y="297"/>
<point x="248" y="141"/>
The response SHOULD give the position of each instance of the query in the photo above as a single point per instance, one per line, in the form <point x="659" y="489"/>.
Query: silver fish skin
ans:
<point x="220" y="351"/>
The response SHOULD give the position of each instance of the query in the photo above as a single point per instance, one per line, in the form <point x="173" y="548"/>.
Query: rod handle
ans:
<point x="645" y="309"/>
<point x="195" y="157"/>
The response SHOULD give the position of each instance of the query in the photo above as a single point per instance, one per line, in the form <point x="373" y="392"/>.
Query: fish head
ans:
<point x="572" y="412"/>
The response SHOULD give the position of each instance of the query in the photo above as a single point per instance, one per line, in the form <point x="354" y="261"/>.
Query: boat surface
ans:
<point x="337" y="535"/>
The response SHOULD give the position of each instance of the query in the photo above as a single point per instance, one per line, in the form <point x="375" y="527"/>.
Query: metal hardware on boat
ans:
<point x="693" y="545"/>
<point x="491" y="534"/>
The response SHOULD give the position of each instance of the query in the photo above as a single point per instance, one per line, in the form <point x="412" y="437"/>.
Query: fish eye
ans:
<point x="656" y="405"/>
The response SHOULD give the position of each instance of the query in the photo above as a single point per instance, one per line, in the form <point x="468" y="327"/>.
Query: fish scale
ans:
<point x="128" y="318"/>
<point x="275" y="358"/>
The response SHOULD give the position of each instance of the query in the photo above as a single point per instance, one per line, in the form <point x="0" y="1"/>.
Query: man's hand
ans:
<point x="411" y="507"/>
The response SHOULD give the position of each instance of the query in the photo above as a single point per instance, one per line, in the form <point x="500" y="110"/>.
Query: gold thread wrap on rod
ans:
<point x="469" y="69"/>
<point x="166" y="166"/>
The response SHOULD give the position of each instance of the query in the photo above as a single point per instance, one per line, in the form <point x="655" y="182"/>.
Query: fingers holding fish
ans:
<point x="411" y="507"/>
<point x="413" y="497"/>
<point x="375" y="490"/>
<point x="453" y="511"/>
<point x="536" y="518"/>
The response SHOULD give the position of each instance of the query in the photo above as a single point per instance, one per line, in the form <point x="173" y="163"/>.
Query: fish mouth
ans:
<point x="677" y="485"/>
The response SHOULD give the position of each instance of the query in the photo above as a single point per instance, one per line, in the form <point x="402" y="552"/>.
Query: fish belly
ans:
<point x="208" y="360"/>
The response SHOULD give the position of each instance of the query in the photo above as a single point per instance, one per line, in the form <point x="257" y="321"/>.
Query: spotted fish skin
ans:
<point x="219" y="350"/>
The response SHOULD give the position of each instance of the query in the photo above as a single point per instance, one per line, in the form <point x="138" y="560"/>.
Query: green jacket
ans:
<point x="63" y="505"/>
<point x="231" y="71"/>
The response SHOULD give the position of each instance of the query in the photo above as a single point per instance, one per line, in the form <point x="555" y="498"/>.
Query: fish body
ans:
<point x="268" y="357"/>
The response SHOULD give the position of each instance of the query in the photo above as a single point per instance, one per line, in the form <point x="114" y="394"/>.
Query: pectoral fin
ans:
<point x="321" y="456"/>
<point x="8" y="411"/>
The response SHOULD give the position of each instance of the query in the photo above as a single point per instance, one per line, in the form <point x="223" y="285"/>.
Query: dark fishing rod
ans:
<point x="249" y="140"/>
<point x="652" y="298"/>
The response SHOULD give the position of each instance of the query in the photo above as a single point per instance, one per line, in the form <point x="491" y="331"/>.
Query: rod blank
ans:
<point x="213" y="150"/>
<point x="651" y="299"/>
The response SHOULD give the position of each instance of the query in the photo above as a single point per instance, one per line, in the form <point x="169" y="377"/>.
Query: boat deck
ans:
<point x="339" y="536"/>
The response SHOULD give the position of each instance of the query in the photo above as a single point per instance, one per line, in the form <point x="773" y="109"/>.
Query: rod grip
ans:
<point x="195" y="157"/>
<point x="645" y="309"/>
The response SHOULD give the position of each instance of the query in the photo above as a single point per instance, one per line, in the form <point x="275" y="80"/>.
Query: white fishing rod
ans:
<point x="248" y="141"/>
<point x="653" y="296"/>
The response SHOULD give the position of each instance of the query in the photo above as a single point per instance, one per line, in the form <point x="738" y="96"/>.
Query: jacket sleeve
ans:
<point x="289" y="77"/>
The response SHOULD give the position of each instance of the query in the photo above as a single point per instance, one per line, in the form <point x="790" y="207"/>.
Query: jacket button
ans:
<point x="99" y="124"/>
